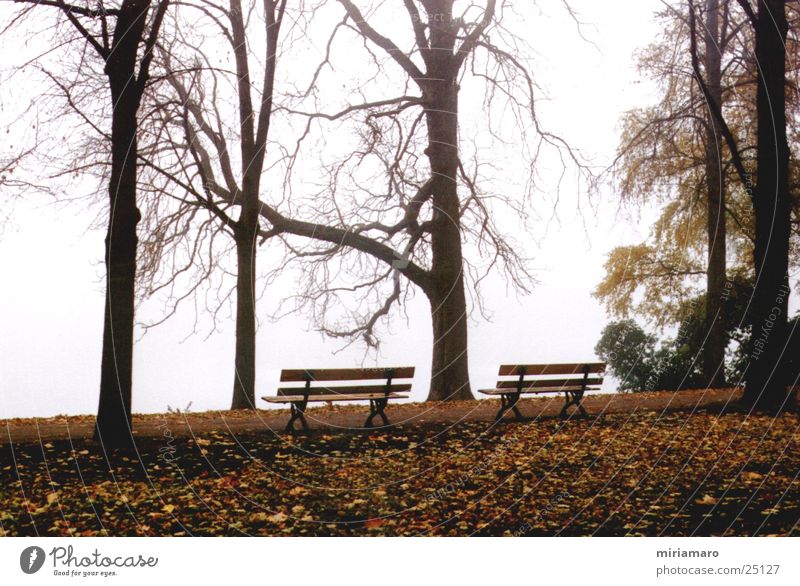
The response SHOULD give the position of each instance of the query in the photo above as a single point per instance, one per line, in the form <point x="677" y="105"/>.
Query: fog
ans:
<point x="51" y="293"/>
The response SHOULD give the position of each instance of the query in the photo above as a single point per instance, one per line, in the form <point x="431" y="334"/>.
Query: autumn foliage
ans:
<point x="687" y="472"/>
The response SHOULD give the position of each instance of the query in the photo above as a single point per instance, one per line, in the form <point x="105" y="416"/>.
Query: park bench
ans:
<point x="518" y="379"/>
<point x="378" y="395"/>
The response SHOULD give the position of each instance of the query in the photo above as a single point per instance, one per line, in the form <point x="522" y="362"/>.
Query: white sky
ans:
<point x="51" y="295"/>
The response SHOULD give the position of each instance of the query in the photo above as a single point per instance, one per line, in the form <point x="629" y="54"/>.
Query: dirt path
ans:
<point x="339" y="417"/>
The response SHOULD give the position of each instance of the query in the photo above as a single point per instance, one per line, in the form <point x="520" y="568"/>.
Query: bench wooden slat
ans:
<point x="552" y="383"/>
<point x="348" y="390"/>
<point x="540" y="369"/>
<point x="333" y="398"/>
<point x="536" y="391"/>
<point x="345" y="374"/>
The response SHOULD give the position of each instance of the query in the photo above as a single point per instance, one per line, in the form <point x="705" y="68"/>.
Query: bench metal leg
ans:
<point x="563" y="413"/>
<point x="298" y="413"/>
<point x="580" y="406"/>
<point x="573" y="398"/>
<point x="376" y="407"/>
<point x="508" y="402"/>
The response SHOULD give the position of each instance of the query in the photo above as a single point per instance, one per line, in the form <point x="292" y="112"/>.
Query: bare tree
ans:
<point x="123" y="36"/>
<point x="406" y="195"/>
<point x="190" y="149"/>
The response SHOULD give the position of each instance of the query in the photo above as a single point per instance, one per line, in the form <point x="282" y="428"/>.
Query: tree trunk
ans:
<point x="716" y="277"/>
<point x="766" y="387"/>
<point x="450" y="366"/>
<point x="114" y="411"/>
<point x="244" y="394"/>
<point x="113" y="424"/>
<point x="253" y="144"/>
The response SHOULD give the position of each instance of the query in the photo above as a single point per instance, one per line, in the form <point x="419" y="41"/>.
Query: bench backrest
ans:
<point x="556" y="377"/>
<point x="316" y="381"/>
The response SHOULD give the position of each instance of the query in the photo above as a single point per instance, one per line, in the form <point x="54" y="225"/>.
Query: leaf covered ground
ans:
<point x="641" y="473"/>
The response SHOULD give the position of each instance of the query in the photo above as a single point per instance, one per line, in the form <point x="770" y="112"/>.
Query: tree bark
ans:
<point x="450" y="367"/>
<point x="244" y="395"/>
<point x="254" y="129"/>
<point x="766" y="387"/>
<point x="113" y="424"/>
<point x="716" y="274"/>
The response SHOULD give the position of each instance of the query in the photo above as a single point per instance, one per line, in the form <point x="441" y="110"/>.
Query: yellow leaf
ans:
<point x="706" y="499"/>
<point x="278" y="517"/>
<point x="168" y="508"/>
<point x="52" y="497"/>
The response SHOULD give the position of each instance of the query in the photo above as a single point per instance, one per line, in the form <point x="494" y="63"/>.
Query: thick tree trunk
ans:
<point x="113" y="424"/>
<point x="114" y="411"/>
<point x="450" y="366"/>
<point x="244" y="395"/>
<point x="716" y="275"/>
<point x="766" y="387"/>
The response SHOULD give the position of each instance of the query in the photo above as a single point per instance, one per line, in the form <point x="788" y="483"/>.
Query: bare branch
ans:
<point x="383" y="42"/>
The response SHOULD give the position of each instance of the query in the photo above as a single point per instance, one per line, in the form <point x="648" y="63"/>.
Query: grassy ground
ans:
<point x="685" y="472"/>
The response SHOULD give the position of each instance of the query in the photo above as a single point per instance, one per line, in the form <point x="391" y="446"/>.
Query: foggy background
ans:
<point x="51" y="290"/>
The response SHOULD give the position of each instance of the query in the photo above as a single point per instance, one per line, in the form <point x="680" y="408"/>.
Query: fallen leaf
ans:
<point x="754" y="476"/>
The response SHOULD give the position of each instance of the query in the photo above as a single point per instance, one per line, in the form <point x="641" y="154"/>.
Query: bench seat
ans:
<point x="537" y="391"/>
<point x="333" y="398"/>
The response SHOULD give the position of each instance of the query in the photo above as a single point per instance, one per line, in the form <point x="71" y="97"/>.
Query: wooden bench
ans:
<point x="523" y="379"/>
<point x="378" y="395"/>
